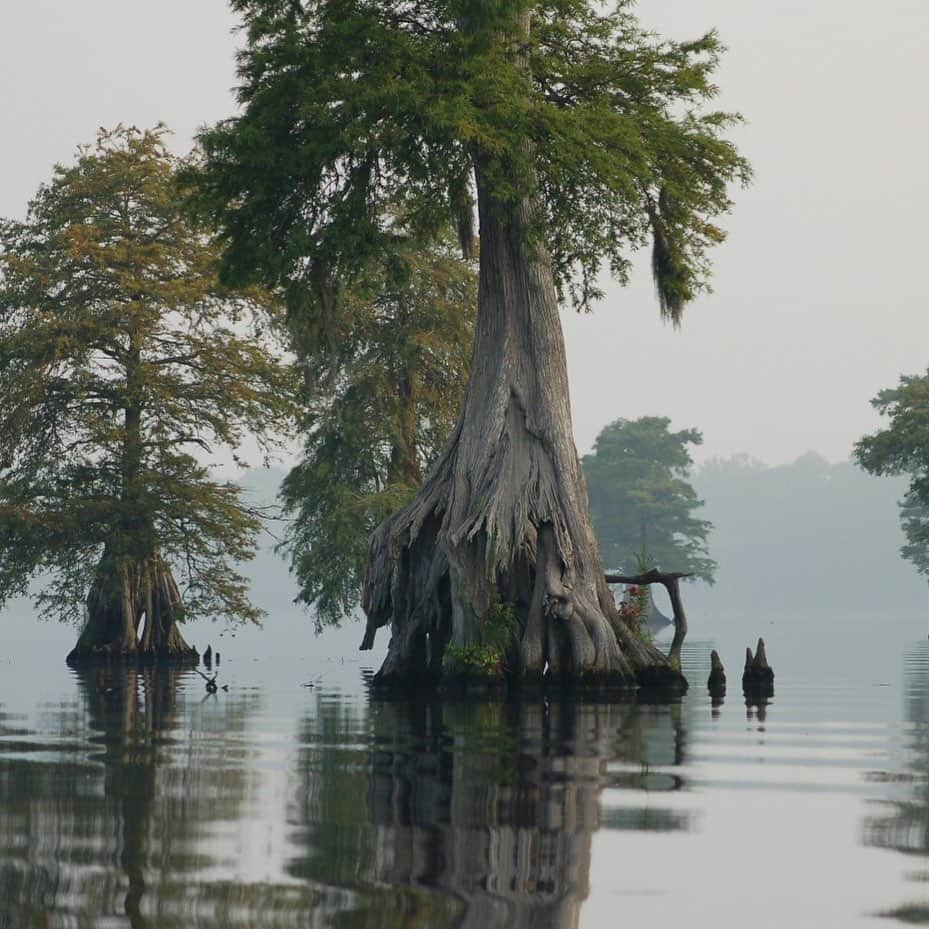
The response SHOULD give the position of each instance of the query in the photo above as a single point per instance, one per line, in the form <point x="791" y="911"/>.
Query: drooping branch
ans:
<point x="671" y="581"/>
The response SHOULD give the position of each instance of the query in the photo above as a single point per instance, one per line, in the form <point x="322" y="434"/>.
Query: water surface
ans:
<point x="292" y="799"/>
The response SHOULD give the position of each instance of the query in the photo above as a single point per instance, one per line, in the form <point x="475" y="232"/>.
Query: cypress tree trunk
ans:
<point x="132" y="581"/>
<point x="503" y="516"/>
<point x="132" y="612"/>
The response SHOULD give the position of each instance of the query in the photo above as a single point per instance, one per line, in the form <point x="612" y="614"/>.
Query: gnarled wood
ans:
<point x="716" y="682"/>
<point x="758" y="676"/>
<point x="502" y="516"/>
<point x="671" y="581"/>
<point x="132" y="613"/>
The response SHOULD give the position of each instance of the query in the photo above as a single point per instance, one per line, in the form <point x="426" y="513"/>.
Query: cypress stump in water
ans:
<point x="132" y="613"/>
<point x="758" y="676"/>
<point x="716" y="682"/>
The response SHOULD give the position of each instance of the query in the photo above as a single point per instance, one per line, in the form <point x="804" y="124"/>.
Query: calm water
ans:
<point x="294" y="800"/>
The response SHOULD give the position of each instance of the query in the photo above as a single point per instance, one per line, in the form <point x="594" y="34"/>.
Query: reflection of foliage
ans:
<point x="506" y="797"/>
<point x="424" y="814"/>
<point x="901" y="822"/>
<point x="915" y="913"/>
<point x="338" y="848"/>
<point x="645" y="819"/>
<point x="118" y="836"/>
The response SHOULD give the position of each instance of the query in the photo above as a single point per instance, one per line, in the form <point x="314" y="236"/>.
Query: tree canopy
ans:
<point x="903" y="448"/>
<point x="380" y="399"/>
<point x="123" y="358"/>
<point x="641" y="501"/>
<point x="362" y="121"/>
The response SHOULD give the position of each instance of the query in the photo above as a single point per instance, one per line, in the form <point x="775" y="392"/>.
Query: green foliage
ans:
<point x="499" y="627"/>
<point x="641" y="501"/>
<point x="381" y="398"/>
<point x="472" y="659"/>
<point x="362" y="121"/>
<point x="903" y="448"/>
<point x="635" y="606"/>
<point x="121" y="355"/>
<point x="497" y="630"/>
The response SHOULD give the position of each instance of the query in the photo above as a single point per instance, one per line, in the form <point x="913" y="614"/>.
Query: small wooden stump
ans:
<point x="758" y="676"/>
<point x="716" y="682"/>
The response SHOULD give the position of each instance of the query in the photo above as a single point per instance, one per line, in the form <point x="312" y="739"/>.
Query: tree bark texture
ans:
<point x="132" y="612"/>
<point x="503" y="515"/>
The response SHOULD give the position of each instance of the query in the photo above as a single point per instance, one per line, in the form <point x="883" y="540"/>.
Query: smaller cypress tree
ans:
<point x="121" y="357"/>
<point x="903" y="448"/>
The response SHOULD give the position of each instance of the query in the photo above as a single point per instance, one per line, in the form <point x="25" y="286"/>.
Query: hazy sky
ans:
<point x="819" y="299"/>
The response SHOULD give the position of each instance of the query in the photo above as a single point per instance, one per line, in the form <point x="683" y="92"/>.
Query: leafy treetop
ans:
<point x="903" y="448"/>
<point x="364" y="120"/>
<point x="385" y="397"/>
<point x="122" y="357"/>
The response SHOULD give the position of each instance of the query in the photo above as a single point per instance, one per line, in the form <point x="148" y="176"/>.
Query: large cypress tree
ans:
<point x="579" y="137"/>
<point x="121" y="356"/>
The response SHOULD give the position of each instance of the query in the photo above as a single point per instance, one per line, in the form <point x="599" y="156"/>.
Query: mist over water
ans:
<point x="294" y="799"/>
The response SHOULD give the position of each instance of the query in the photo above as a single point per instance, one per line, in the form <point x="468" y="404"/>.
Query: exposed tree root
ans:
<point x="502" y="519"/>
<point x="132" y="613"/>
<point x="434" y="579"/>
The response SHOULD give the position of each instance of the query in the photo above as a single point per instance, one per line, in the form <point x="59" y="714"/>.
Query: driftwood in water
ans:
<point x="210" y="681"/>
<point x="672" y="584"/>
<point x="758" y="676"/>
<point x="716" y="682"/>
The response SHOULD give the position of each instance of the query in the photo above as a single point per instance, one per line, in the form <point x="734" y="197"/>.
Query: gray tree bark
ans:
<point x="132" y="612"/>
<point x="503" y="515"/>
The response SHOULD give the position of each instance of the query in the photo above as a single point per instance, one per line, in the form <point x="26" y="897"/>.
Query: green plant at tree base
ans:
<point x="497" y="631"/>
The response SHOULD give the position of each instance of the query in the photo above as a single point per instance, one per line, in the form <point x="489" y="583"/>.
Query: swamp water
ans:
<point x="294" y="800"/>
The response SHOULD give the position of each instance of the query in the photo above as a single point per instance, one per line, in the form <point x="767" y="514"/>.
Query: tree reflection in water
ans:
<point x="117" y="820"/>
<point x="903" y="821"/>
<point x="494" y="804"/>
<point x="137" y="806"/>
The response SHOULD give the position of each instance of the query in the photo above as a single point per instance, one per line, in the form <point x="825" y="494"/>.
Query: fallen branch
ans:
<point x="671" y="582"/>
